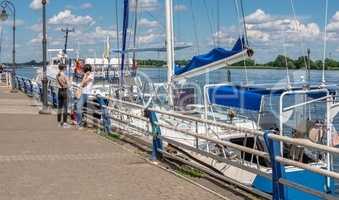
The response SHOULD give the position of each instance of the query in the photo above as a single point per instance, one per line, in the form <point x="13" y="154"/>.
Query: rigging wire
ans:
<point x="240" y="35"/>
<point x="286" y="62"/>
<point x="135" y="32"/>
<point x="244" y="21"/>
<point x="195" y="28"/>
<point x="209" y="21"/>
<point x="303" y="50"/>
<point x="117" y="28"/>
<point x="163" y="26"/>
<point x="325" y="43"/>
<point x="218" y="22"/>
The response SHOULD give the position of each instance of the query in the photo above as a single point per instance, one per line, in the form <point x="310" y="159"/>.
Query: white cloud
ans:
<point x="259" y="16"/>
<point x="268" y="32"/>
<point x="146" y="23"/>
<point x="66" y="17"/>
<point x="36" y="4"/>
<point x="223" y="37"/>
<point x="149" y="38"/>
<point x="180" y="8"/>
<point x="9" y="22"/>
<point x="103" y="33"/>
<point x="37" y="39"/>
<point x="51" y="41"/>
<point x="86" y="6"/>
<point x="145" y="5"/>
<point x="94" y="36"/>
<point x="36" y="27"/>
<point x="333" y="26"/>
<point x="263" y="27"/>
<point x="258" y="35"/>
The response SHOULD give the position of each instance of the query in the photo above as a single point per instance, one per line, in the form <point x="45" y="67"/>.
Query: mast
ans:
<point x="135" y="37"/>
<point x="124" y="37"/>
<point x="170" y="47"/>
<point x="66" y="31"/>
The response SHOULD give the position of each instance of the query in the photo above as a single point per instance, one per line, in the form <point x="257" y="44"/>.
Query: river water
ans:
<point x="237" y="75"/>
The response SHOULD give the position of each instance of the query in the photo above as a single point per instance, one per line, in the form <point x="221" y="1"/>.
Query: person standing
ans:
<point x="63" y="85"/>
<point x="86" y="90"/>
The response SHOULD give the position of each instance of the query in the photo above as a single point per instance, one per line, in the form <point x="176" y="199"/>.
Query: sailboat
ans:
<point x="105" y="68"/>
<point x="284" y="109"/>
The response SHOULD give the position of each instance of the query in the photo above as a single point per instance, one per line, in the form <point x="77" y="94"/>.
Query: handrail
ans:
<point x="304" y="142"/>
<point x="308" y="167"/>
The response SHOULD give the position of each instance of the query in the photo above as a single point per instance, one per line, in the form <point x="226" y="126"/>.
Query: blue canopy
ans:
<point x="249" y="98"/>
<point x="213" y="56"/>
<point x="238" y="97"/>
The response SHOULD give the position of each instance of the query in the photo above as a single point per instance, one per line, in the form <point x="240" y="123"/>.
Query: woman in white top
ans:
<point x="86" y="90"/>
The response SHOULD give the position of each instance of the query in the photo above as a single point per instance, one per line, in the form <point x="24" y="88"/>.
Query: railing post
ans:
<point x="18" y="82"/>
<point x="25" y="85"/>
<point x="156" y="133"/>
<point x="106" y="120"/>
<point x="278" y="191"/>
<point x="40" y="91"/>
<point x="31" y="92"/>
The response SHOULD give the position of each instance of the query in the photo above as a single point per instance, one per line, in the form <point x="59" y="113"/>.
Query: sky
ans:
<point x="273" y="27"/>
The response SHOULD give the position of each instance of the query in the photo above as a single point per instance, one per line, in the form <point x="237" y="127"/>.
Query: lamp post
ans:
<point x="3" y="17"/>
<point x="44" y="109"/>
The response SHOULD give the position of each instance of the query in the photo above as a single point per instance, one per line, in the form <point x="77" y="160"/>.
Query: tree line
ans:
<point x="299" y="63"/>
<point x="279" y="62"/>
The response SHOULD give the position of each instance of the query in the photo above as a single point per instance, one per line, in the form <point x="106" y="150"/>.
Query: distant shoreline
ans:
<point x="279" y="63"/>
<point x="230" y="67"/>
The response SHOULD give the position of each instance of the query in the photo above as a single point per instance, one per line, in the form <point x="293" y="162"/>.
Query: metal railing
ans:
<point x="143" y="122"/>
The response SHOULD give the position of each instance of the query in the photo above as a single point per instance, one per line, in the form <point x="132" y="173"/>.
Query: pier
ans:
<point x="38" y="160"/>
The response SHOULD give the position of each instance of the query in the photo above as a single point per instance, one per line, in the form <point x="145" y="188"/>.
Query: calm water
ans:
<point x="258" y="76"/>
<point x="238" y="75"/>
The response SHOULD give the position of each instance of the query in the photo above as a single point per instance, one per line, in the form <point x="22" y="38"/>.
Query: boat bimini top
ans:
<point x="250" y="97"/>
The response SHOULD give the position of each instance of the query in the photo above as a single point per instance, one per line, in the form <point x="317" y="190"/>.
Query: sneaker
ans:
<point x="60" y="125"/>
<point x="66" y="125"/>
<point x="79" y="127"/>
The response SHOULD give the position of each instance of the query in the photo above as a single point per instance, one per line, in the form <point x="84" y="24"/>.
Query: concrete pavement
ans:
<point x="38" y="160"/>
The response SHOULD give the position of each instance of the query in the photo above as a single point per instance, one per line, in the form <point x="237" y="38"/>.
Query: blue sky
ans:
<point x="272" y="27"/>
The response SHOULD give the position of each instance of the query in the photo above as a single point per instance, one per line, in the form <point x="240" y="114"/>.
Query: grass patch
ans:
<point x="111" y="136"/>
<point x="190" y="172"/>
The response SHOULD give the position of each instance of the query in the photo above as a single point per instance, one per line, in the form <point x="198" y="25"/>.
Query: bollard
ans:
<point x="156" y="133"/>
<point x="106" y="120"/>
<point x="278" y="191"/>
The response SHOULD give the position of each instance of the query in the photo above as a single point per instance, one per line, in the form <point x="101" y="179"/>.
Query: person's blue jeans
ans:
<point x="80" y="104"/>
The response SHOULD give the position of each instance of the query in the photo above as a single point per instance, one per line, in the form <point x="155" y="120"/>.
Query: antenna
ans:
<point x="66" y="31"/>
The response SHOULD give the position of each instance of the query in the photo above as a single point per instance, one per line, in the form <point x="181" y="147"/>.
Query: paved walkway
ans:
<point x="40" y="161"/>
